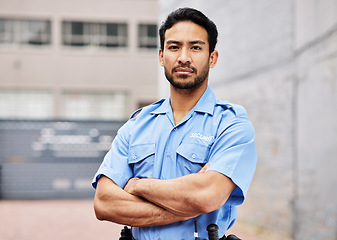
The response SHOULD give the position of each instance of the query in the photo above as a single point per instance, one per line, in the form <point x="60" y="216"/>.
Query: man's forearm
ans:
<point x="188" y="196"/>
<point x="114" y="204"/>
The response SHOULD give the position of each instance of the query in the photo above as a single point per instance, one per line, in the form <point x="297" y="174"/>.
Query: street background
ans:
<point x="75" y="219"/>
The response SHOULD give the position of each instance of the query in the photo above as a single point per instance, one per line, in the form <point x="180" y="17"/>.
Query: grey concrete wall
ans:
<point x="316" y="71"/>
<point x="279" y="60"/>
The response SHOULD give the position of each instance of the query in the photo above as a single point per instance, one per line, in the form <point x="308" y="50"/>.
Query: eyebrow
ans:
<point x="191" y="42"/>
<point x="198" y="42"/>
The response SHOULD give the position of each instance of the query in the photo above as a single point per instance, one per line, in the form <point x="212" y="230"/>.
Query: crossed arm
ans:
<point x="151" y="202"/>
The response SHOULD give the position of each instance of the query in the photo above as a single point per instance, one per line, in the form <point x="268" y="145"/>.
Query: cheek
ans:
<point x="169" y="58"/>
<point x="167" y="63"/>
<point x="205" y="62"/>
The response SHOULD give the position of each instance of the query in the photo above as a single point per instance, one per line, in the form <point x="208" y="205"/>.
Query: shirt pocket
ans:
<point x="141" y="159"/>
<point x="191" y="157"/>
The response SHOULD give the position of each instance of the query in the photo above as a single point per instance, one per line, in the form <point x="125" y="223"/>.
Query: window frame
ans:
<point x="145" y="40"/>
<point x="22" y="32"/>
<point x="95" y="34"/>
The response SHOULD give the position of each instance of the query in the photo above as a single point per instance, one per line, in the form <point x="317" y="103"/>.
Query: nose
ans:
<point x="184" y="57"/>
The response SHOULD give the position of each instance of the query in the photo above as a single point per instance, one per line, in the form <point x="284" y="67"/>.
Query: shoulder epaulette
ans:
<point x="159" y="101"/>
<point x="135" y="113"/>
<point x="140" y="109"/>
<point x="225" y="104"/>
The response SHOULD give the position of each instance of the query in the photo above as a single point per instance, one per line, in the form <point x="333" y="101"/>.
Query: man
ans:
<point x="183" y="162"/>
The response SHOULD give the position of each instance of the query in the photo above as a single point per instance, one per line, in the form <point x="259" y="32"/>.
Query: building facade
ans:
<point x="90" y="60"/>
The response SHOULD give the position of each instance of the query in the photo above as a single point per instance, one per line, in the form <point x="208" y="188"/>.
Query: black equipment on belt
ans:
<point x="126" y="234"/>
<point x="212" y="234"/>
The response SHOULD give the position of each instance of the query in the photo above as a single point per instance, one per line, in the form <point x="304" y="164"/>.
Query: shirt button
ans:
<point x="175" y="129"/>
<point x="194" y="156"/>
<point x="168" y="154"/>
<point x="134" y="157"/>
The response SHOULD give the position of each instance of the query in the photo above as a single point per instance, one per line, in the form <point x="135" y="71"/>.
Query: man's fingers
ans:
<point x="130" y="184"/>
<point x="204" y="167"/>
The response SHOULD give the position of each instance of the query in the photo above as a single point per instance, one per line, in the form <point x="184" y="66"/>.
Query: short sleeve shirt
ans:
<point x="150" y="145"/>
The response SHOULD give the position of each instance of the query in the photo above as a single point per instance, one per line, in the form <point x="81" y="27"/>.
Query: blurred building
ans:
<point x="77" y="59"/>
<point x="71" y="72"/>
<point x="279" y="60"/>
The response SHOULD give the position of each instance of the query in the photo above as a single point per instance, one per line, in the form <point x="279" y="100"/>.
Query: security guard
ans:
<point x="185" y="161"/>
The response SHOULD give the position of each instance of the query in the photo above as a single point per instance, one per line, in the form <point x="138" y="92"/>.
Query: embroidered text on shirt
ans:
<point x="202" y="137"/>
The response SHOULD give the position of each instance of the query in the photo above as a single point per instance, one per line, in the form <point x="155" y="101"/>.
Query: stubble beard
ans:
<point x="181" y="84"/>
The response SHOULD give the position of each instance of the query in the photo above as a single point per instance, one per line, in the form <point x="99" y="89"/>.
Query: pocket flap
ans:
<point x="140" y="151"/>
<point x="194" y="152"/>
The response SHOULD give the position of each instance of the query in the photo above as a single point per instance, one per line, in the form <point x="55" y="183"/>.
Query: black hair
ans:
<point x="197" y="17"/>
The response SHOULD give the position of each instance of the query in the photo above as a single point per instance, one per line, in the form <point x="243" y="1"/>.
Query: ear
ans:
<point x="213" y="58"/>
<point x="161" y="57"/>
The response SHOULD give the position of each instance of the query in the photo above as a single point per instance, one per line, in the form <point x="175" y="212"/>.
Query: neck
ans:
<point x="183" y="100"/>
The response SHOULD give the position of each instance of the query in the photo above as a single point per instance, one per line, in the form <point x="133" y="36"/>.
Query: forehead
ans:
<point x="186" y="31"/>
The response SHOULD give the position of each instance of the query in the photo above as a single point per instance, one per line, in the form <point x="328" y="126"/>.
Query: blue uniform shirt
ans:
<point x="150" y="145"/>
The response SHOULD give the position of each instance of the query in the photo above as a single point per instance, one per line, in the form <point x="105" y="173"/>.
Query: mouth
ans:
<point x="184" y="70"/>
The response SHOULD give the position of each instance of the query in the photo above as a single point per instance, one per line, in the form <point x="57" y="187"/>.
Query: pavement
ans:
<point x="75" y="219"/>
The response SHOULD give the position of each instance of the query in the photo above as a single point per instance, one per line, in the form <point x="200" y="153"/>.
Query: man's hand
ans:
<point x="204" y="168"/>
<point x="131" y="184"/>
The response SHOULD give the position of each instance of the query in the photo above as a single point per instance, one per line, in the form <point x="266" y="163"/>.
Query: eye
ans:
<point x="173" y="47"/>
<point x="196" y="48"/>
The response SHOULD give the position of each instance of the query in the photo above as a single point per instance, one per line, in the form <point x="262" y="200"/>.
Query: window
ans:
<point x="25" y="31"/>
<point x="93" y="106"/>
<point x="147" y="35"/>
<point x="109" y="35"/>
<point x="26" y="104"/>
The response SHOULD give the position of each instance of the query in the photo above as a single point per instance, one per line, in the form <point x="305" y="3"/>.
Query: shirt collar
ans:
<point x="205" y="104"/>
